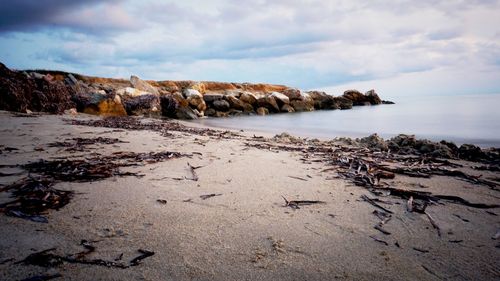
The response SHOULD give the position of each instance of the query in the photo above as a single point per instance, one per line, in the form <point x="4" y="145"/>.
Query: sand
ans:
<point x="247" y="232"/>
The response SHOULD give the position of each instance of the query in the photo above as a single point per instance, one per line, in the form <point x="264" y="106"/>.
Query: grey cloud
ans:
<point x="34" y="15"/>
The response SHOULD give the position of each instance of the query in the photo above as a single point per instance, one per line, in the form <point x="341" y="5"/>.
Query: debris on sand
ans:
<point x="295" y="204"/>
<point x="33" y="197"/>
<point x="163" y="127"/>
<point x="80" y="144"/>
<point x="206" y="196"/>
<point x="47" y="259"/>
<point x="97" y="167"/>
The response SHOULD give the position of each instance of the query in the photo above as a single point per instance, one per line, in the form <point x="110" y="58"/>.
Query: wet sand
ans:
<point x="246" y="232"/>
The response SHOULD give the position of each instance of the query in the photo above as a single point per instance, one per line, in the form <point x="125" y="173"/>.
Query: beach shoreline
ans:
<point x="229" y="206"/>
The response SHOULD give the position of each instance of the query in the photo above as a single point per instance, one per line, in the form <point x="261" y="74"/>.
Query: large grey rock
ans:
<point x="132" y="92"/>
<point x="372" y="97"/>
<point x="195" y="100"/>
<point x="357" y="98"/>
<point x="221" y="105"/>
<point x="142" y="105"/>
<point x="280" y="98"/>
<point x="268" y="102"/>
<point x="305" y="103"/>
<point x="322" y="100"/>
<point x="343" y="103"/>
<point x="249" y="98"/>
<point x="211" y="97"/>
<point x="293" y="94"/>
<point x="143" y="85"/>
<point x="187" y="93"/>
<point x="237" y="104"/>
<point x="175" y="106"/>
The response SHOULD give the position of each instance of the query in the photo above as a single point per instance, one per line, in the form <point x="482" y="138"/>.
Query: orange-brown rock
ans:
<point x="107" y="107"/>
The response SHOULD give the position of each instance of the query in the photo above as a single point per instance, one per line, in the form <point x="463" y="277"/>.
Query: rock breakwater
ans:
<point x="56" y="91"/>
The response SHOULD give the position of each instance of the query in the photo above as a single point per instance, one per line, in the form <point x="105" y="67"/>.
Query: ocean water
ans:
<point x="462" y="119"/>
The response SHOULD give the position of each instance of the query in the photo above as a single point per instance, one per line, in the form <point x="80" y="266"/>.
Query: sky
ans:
<point x="398" y="47"/>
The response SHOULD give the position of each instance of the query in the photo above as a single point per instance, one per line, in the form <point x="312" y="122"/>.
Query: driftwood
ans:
<point x="193" y="172"/>
<point x="206" y="196"/>
<point x="295" y="204"/>
<point x="434" y="224"/>
<point x="371" y="201"/>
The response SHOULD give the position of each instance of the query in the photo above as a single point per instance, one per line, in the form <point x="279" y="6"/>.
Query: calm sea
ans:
<point x="462" y="119"/>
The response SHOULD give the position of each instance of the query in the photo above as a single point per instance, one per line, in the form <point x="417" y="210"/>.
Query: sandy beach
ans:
<point x="217" y="212"/>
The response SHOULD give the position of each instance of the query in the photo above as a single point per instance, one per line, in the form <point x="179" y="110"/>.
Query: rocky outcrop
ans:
<point x="21" y="92"/>
<point x="357" y="98"/>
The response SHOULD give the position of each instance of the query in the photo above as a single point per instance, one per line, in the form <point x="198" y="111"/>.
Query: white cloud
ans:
<point x="305" y="43"/>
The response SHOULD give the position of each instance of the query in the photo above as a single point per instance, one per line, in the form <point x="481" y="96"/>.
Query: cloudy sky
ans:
<point x="398" y="47"/>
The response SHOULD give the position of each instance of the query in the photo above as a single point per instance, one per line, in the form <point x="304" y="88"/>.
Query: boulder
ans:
<point x="104" y="105"/>
<point x="387" y="102"/>
<point x="372" y="97"/>
<point x="132" y="92"/>
<point x="287" y="108"/>
<point x="262" y="111"/>
<point x="232" y="93"/>
<point x="323" y="101"/>
<point x="187" y="93"/>
<point x="306" y="103"/>
<point x="249" y="98"/>
<point x="211" y="97"/>
<point x="36" y="75"/>
<point x="268" y="102"/>
<point x="237" y="104"/>
<point x="343" y="103"/>
<point x="91" y="101"/>
<point x="175" y="106"/>
<point x="195" y="99"/>
<point x="280" y="98"/>
<point x="142" y="105"/>
<point x="221" y="105"/>
<point x="355" y="96"/>
<point x="293" y="94"/>
<point x="200" y="87"/>
<point x="142" y="85"/>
